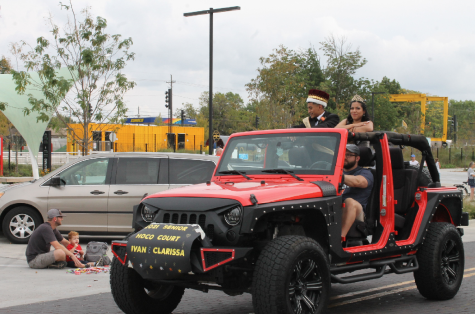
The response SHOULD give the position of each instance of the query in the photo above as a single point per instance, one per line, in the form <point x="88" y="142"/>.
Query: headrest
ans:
<point x="365" y="157"/>
<point x="298" y="156"/>
<point x="397" y="160"/>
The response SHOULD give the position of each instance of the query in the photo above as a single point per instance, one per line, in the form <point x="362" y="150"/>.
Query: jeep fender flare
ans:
<point x="442" y="206"/>
<point x="329" y="208"/>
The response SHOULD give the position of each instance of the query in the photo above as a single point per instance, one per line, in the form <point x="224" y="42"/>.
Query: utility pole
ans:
<point x="171" y="136"/>
<point x="455" y="128"/>
<point x="182" y="117"/>
<point x="210" y="12"/>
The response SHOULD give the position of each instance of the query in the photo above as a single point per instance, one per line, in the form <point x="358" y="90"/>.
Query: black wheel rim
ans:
<point x="305" y="287"/>
<point x="450" y="262"/>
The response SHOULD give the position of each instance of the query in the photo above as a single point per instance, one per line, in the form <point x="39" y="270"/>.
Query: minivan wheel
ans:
<point x="19" y="223"/>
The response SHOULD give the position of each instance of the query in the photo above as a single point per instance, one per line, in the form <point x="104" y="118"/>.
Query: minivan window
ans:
<point x="186" y="171"/>
<point x="137" y="171"/>
<point x="88" y="172"/>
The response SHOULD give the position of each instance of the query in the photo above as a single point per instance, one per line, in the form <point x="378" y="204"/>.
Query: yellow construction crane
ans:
<point x="423" y="99"/>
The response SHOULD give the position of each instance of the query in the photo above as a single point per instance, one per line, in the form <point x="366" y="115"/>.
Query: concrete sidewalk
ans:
<point x="22" y="285"/>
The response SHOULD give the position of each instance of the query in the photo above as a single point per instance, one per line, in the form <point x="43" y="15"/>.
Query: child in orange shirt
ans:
<point x="76" y="249"/>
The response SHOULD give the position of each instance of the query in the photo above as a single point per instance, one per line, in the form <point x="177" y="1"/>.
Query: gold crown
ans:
<point x="358" y="98"/>
<point x="318" y="98"/>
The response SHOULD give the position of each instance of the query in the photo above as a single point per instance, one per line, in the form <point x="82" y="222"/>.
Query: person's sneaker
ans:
<point x="58" y="265"/>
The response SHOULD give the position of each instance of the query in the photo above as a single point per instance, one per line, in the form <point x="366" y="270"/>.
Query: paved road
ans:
<point x="391" y="294"/>
<point x="449" y="177"/>
<point x="24" y="290"/>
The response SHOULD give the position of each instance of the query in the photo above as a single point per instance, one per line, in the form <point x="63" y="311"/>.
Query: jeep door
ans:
<point x="132" y="178"/>
<point x="82" y="195"/>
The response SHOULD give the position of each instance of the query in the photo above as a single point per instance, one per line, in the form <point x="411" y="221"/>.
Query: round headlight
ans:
<point x="148" y="214"/>
<point x="233" y="216"/>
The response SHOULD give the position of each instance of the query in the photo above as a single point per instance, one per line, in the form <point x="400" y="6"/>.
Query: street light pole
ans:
<point x="210" y="96"/>
<point x="372" y="102"/>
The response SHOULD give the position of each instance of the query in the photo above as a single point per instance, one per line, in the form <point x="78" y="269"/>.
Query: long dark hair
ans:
<point x="365" y="117"/>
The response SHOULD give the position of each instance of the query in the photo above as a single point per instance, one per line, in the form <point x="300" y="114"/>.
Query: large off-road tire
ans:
<point x="19" y="223"/>
<point x="424" y="178"/>
<point x="134" y="295"/>
<point x="441" y="262"/>
<point x="292" y="275"/>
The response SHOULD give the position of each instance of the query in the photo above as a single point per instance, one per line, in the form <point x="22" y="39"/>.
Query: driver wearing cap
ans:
<point x="358" y="182"/>
<point x="38" y="254"/>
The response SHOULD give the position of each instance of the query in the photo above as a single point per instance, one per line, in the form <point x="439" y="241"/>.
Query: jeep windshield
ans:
<point x="298" y="153"/>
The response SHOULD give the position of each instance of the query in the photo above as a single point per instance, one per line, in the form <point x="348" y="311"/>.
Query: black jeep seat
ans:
<point x="359" y="229"/>
<point x="298" y="156"/>
<point x="405" y="185"/>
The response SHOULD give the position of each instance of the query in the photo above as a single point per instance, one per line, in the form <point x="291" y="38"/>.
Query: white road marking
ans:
<point x="370" y="290"/>
<point x="381" y="294"/>
<point x="377" y="295"/>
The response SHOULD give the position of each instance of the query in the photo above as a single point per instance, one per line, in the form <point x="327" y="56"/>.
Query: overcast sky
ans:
<point x="427" y="46"/>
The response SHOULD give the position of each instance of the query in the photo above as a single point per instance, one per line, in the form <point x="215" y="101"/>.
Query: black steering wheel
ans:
<point x="321" y="165"/>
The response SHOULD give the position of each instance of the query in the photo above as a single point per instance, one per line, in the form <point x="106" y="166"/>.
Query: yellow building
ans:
<point x="136" y="138"/>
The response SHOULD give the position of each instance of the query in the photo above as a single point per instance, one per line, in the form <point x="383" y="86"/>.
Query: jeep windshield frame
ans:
<point x="312" y="153"/>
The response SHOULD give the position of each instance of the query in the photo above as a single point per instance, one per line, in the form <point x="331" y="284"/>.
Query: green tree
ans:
<point x="229" y="114"/>
<point x="410" y="113"/>
<point x="5" y="125"/>
<point x="5" y="65"/>
<point x="386" y="113"/>
<point x="189" y="111"/>
<point x="95" y="61"/>
<point x="278" y="93"/>
<point x="434" y="119"/>
<point x="341" y="66"/>
<point x="465" y="112"/>
<point x="59" y="121"/>
<point x="159" y="121"/>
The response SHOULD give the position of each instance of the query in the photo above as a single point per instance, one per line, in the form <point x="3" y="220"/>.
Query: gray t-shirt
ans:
<point x="470" y="173"/>
<point x="40" y="241"/>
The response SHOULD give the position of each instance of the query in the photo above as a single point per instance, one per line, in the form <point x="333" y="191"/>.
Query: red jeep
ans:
<point x="269" y="223"/>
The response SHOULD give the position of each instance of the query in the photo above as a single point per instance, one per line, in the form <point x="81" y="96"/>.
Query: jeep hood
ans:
<point x="270" y="192"/>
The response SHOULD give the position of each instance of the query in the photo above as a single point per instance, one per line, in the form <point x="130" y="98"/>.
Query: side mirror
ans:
<point x="56" y="181"/>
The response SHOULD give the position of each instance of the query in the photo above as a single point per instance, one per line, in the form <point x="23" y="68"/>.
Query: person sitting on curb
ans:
<point x="38" y="254"/>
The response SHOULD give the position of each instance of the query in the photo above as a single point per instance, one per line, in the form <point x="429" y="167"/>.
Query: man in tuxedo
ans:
<point x="318" y="118"/>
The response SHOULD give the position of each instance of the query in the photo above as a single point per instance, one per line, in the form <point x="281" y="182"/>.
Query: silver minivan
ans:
<point x="97" y="192"/>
